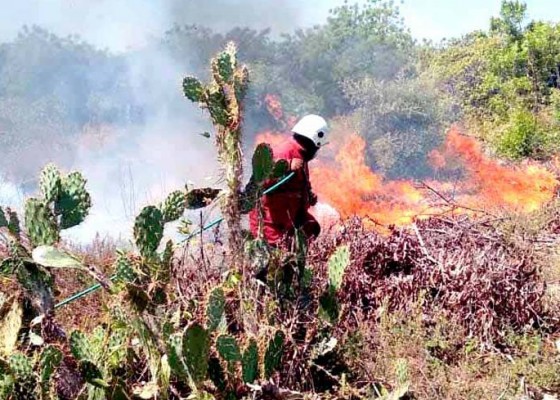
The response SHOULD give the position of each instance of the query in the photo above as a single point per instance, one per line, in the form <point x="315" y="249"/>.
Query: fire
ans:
<point x="343" y="180"/>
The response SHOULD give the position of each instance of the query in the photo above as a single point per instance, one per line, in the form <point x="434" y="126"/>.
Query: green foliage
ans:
<point x="49" y="361"/>
<point x="40" y="223"/>
<point x="124" y="270"/>
<point x="228" y="348"/>
<point x="263" y="163"/>
<point x="273" y="355"/>
<point x="522" y="137"/>
<point x="174" y="206"/>
<point x="193" y="89"/>
<point x="250" y="362"/>
<point x="92" y="374"/>
<point x="338" y="262"/>
<point x="215" y="308"/>
<point x="148" y="230"/>
<point x="3" y="219"/>
<point x="217" y="374"/>
<point x="174" y="355"/>
<point x="50" y="183"/>
<point x="13" y="223"/>
<point x="74" y="201"/>
<point x="21" y="367"/>
<point x="80" y="346"/>
<point x="196" y="352"/>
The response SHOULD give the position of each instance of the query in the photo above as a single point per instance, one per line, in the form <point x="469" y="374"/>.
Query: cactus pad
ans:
<point x="40" y="223"/>
<point x="21" y="366"/>
<point x="241" y="81"/>
<point x="123" y="269"/>
<point x="196" y="349"/>
<point x="216" y="374"/>
<point x="250" y="362"/>
<point x="281" y="168"/>
<point x="74" y="201"/>
<point x="13" y="222"/>
<point x="338" y="263"/>
<point x="216" y="103"/>
<point x="228" y="349"/>
<point x="50" y="183"/>
<point x="223" y="66"/>
<point x="148" y="230"/>
<point x="215" y="308"/>
<point x="273" y="354"/>
<point x="263" y="163"/>
<point x="80" y="346"/>
<point x="174" y="358"/>
<point x="174" y="206"/>
<point x="92" y="374"/>
<point x="49" y="361"/>
<point x="193" y="89"/>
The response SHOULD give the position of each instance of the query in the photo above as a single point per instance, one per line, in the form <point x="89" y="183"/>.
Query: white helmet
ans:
<point x="312" y="127"/>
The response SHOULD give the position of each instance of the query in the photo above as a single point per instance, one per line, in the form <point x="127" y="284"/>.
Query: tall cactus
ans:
<point x="223" y="98"/>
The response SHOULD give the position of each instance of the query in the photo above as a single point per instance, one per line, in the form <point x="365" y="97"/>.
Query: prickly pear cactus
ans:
<point x="13" y="223"/>
<point x="215" y="308"/>
<point x="174" y="206"/>
<point x="273" y="355"/>
<point x="174" y="355"/>
<point x="92" y="374"/>
<point x="222" y="67"/>
<point x="250" y="362"/>
<point x="50" y="183"/>
<point x="24" y="379"/>
<point x="338" y="263"/>
<point x="217" y="374"/>
<point x="80" y="346"/>
<point x="216" y="104"/>
<point x="49" y="362"/>
<point x="148" y="230"/>
<point x="74" y="201"/>
<point x="228" y="349"/>
<point x="193" y="89"/>
<point x="281" y="168"/>
<point x="123" y="269"/>
<point x="196" y="351"/>
<point x="263" y="163"/>
<point x="40" y="223"/>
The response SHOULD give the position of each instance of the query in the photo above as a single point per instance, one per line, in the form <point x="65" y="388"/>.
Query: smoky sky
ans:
<point x="122" y="24"/>
<point x="135" y="164"/>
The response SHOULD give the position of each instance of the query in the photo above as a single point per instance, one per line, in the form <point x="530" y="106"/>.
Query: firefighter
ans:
<point x="286" y="209"/>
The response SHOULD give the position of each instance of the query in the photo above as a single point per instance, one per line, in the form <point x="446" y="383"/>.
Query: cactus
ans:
<point x="195" y="352"/>
<point x="40" y="223"/>
<point x="273" y="354"/>
<point x="80" y="346"/>
<point x="228" y="349"/>
<point x="148" y="230"/>
<point x="217" y="374"/>
<point x="281" y="168"/>
<point x="338" y="263"/>
<point x="49" y="361"/>
<point x="74" y="201"/>
<point x="13" y="223"/>
<point x="222" y="98"/>
<point x="193" y="89"/>
<point x="215" y="308"/>
<point x="92" y="374"/>
<point x="24" y="379"/>
<point x="263" y="163"/>
<point x="3" y="219"/>
<point x="123" y="270"/>
<point x="223" y="66"/>
<point x="174" y="355"/>
<point x="50" y="183"/>
<point x="250" y="362"/>
<point x="174" y="206"/>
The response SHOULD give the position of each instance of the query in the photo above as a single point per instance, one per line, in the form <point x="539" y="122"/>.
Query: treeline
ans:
<point x="362" y="63"/>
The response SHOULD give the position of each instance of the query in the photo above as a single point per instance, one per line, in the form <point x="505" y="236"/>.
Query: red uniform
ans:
<point x="286" y="208"/>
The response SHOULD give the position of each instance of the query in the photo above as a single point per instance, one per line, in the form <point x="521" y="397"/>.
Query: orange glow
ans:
<point x="342" y="180"/>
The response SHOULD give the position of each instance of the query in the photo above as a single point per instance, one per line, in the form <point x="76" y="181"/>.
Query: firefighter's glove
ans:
<point x="296" y="164"/>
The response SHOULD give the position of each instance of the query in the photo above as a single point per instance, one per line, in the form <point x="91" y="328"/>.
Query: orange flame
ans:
<point x="344" y="181"/>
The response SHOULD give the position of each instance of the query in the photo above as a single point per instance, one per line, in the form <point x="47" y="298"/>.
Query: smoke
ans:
<point x="146" y="155"/>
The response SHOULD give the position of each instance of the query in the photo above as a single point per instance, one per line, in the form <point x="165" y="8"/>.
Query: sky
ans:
<point x="121" y="24"/>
